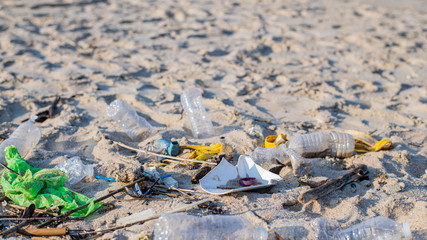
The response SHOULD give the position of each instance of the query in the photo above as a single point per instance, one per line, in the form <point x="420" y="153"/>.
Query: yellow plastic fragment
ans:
<point x="204" y="156"/>
<point x="205" y="152"/>
<point x="384" y="144"/>
<point x="274" y="140"/>
<point x="213" y="148"/>
<point x="366" y="143"/>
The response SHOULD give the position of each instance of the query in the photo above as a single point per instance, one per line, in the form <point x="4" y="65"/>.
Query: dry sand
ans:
<point x="303" y="65"/>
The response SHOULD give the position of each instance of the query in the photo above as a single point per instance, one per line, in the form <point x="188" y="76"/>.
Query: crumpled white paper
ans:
<point x="245" y="167"/>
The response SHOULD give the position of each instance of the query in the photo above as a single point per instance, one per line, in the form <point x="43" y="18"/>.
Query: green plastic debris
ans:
<point x="43" y="187"/>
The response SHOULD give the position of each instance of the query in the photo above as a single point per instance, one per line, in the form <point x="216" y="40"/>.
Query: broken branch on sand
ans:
<point x="334" y="184"/>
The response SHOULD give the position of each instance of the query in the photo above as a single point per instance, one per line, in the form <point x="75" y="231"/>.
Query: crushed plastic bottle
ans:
<point x="266" y="156"/>
<point x="373" y="229"/>
<point x="321" y="144"/>
<point x="135" y="126"/>
<point x="201" y="124"/>
<point x="24" y="138"/>
<point x="75" y="169"/>
<point x="179" y="226"/>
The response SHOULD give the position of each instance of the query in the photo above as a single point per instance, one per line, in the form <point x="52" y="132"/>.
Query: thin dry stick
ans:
<point x="161" y="155"/>
<point x="35" y="210"/>
<point x="68" y="213"/>
<point x="174" y="161"/>
<point x="186" y="195"/>
<point x="334" y="184"/>
<point x="184" y="208"/>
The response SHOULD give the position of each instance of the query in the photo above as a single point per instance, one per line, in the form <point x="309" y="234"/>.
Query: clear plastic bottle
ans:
<point x="201" y="124"/>
<point x="24" y="138"/>
<point x="135" y="126"/>
<point x="266" y="156"/>
<point x="75" y="169"/>
<point x="179" y="226"/>
<point x="320" y="144"/>
<point x="376" y="228"/>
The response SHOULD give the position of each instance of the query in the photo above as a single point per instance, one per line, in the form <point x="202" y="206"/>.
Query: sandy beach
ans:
<point x="284" y="67"/>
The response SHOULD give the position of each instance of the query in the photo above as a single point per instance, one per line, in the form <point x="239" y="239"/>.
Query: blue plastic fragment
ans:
<point x="165" y="176"/>
<point x="162" y="143"/>
<point x="105" y="178"/>
<point x="173" y="149"/>
<point x="169" y="148"/>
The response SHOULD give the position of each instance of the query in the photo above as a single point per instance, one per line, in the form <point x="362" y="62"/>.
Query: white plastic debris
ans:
<point x="218" y="180"/>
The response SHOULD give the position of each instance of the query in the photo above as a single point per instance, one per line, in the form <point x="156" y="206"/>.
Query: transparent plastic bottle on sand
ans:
<point x="135" y="126"/>
<point x="373" y="229"/>
<point x="24" y="138"/>
<point x="201" y="124"/>
<point x="75" y="169"/>
<point x="179" y="226"/>
<point x="267" y="156"/>
<point x="320" y="144"/>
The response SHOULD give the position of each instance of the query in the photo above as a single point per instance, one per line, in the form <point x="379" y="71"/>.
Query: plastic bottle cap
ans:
<point x="406" y="230"/>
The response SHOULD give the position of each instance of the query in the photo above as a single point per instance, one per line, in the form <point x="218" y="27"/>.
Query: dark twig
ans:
<point x="150" y="188"/>
<point x="15" y="228"/>
<point x="28" y="212"/>
<point x="52" y="108"/>
<point x="9" y="169"/>
<point x="45" y="114"/>
<point x="334" y="184"/>
<point x="134" y="194"/>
